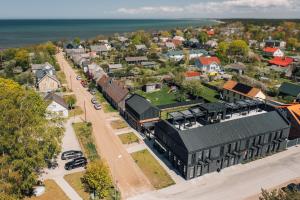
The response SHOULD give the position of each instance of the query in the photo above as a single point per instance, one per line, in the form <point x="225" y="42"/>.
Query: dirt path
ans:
<point x="129" y="177"/>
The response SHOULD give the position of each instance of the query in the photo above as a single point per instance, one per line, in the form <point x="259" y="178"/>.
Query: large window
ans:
<point x="192" y="172"/>
<point x="193" y="158"/>
<point x="206" y="153"/>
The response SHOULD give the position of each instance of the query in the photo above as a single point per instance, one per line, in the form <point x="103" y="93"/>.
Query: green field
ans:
<point x="209" y="94"/>
<point x="161" y="97"/>
<point x="128" y="138"/>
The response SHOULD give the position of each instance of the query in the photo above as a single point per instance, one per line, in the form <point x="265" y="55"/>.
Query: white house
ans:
<point x="208" y="64"/>
<point x="275" y="52"/>
<point x="57" y="106"/>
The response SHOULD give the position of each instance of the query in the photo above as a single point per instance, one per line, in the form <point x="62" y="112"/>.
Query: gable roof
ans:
<point x="233" y="130"/>
<point x="54" y="97"/>
<point x="289" y="89"/>
<point x="51" y="77"/>
<point x="284" y="62"/>
<point x="138" y="104"/>
<point x="209" y="60"/>
<point x="136" y="59"/>
<point x="241" y="88"/>
<point x="270" y="49"/>
<point x="191" y="74"/>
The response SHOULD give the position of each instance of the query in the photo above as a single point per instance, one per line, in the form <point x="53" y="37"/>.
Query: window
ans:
<point x="206" y="153"/>
<point x="193" y="158"/>
<point x="222" y="150"/>
<point x="200" y="155"/>
<point x="198" y="170"/>
<point x="192" y="172"/>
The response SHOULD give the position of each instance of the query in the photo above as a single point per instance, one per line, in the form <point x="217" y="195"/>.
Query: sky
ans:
<point x="102" y="9"/>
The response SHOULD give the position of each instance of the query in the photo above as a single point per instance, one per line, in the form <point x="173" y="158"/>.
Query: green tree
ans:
<point x="222" y="51"/>
<point x="292" y="43"/>
<point x="22" y="59"/>
<point x="97" y="179"/>
<point x="27" y="139"/>
<point x="279" y="195"/>
<point x="193" y="87"/>
<point x="238" y="49"/>
<point x="202" y="37"/>
<point x="71" y="101"/>
<point x="77" y="40"/>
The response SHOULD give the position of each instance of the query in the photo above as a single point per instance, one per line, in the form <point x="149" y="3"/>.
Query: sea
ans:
<point x="19" y="33"/>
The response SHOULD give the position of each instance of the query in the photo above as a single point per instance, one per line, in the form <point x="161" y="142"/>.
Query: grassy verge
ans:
<point x="61" y="77"/>
<point x="152" y="169"/>
<point x="75" y="182"/>
<point x="118" y="124"/>
<point x="107" y="108"/>
<point x="76" y="111"/>
<point x="83" y="131"/>
<point x="209" y="94"/>
<point x="53" y="191"/>
<point x="128" y="138"/>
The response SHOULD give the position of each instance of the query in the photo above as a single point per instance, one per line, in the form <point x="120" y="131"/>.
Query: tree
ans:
<point x="22" y="59"/>
<point x="292" y="43"/>
<point x="279" y="195"/>
<point x="27" y="139"/>
<point x="238" y="49"/>
<point x="202" y="37"/>
<point x="71" y="101"/>
<point x="222" y="51"/>
<point x="165" y="34"/>
<point x="77" y="40"/>
<point x="193" y="87"/>
<point x="97" y="179"/>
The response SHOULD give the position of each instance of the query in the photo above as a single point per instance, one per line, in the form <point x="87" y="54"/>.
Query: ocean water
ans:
<point x="17" y="33"/>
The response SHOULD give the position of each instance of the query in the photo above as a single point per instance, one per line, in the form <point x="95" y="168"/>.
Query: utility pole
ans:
<point x="71" y="81"/>
<point x="84" y="111"/>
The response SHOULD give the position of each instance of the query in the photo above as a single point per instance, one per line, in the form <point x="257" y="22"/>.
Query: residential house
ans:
<point x="114" y="91"/>
<point x="170" y="45"/>
<point x="95" y="72"/>
<point x="45" y="78"/>
<point x="136" y="60"/>
<point x="236" y="67"/>
<point x="151" y="87"/>
<point x="45" y="66"/>
<point x="57" y="106"/>
<point x="179" y="55"/>
<point x="101" y="49"/>
<point x="281" y="61"/>
<point x="114" y="67"/>
<point x="149" y="64"/>
<point x="273" y="52"/>
<point x="274" y="43"/>
<point x="234" y="91"/>
<point x="139" y="112"/>
<point x="71" y="52"/>
<point x="164" y="39"/>
<point x="212" y="43"/>
<point x="210" y="137"/>
<point x="192" y="75"/>
<point x="289" y="89"/>
<point x="122" y="39"/>
<point x="208" y="64"/>
<point x="178" y="40"/>
<point x="141" y="47"/>
<point x="293" y="115"/>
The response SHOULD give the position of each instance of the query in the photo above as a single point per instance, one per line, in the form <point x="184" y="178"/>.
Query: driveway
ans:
<point x="236" y="182"/>
<point x="126" y="173"/>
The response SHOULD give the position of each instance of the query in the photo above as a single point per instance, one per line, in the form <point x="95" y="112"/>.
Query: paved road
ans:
<point x="129" y="176"/>
<point x="237" y="182"/>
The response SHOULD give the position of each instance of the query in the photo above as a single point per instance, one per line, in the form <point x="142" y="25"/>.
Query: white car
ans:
<point x="97" y="106"/>
<point x="78" y="77"/>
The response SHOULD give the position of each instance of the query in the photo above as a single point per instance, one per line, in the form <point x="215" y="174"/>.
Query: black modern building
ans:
<point x="211" y="137"/>
<point x="140" y="113"/>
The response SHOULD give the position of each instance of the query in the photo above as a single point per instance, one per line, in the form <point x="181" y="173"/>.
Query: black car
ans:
<point x="67" y="155"/>
<point x="77" y="162"/>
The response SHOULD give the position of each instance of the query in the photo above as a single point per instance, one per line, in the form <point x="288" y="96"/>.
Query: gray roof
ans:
<point x="138" y="103"/>
<point x="54" y="97"/>
<point x="136" y="59"/>
<point x="230" y="131"/>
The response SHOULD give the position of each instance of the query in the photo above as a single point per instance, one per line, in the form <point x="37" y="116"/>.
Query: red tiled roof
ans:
<point x="210" y="32"/>
<point x="177" y="42"/>
<point x="284" y="62"/>
<point x="270" y="49"/>
<point x="192" y="74"/>
<point x="209" y="60"/>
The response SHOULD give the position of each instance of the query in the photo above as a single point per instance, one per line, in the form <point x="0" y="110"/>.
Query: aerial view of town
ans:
<point x="142" y="100"/>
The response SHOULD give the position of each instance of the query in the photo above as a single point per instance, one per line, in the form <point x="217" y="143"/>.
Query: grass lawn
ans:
<point x="152" y="169"/>
<point x="84" y="134"/>
<point x="209" y="94"/>
<point x="128" y="138"/>
<point x="53" y="191"/>
<point x="75" y="182"/>
<point x="76" y="111"/>
<point x="161" y="97"/>
<point x="61" y="77"/>
<point x="118" y="124"/>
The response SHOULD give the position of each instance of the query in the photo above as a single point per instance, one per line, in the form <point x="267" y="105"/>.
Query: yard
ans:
<point x="61" y="77"/>
<point x="161" y="97"/>
<point x="83" y="131"/>
<point x="118" y="124"/>
<point x="209" y="94"/>
<point x="52" y="190"/>
<point x="76" y="111"/>
<point x="75" y="182"/>
<point x="107" y="108"/>
<point x="128" y="138"/>
<point x="158" y="177"/>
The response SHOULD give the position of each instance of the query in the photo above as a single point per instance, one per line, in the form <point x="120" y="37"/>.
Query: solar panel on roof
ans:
<point x="245" y="89"/>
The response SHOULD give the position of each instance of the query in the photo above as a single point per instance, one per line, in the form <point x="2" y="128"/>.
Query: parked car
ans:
<point x="93" y="91"/>
<point x="67" y="155"/>
<point x="83" y="83"/>
<point x="78" y="77"/>
<point x="97" y="106"/>
<point x="292" y="187"/>
<point x="94" y="100"/>
<point x="77" y="162"/>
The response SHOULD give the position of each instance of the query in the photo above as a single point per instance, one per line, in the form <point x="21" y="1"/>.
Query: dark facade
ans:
<point x="138" y="112"/>
<point x="213" y="147"/>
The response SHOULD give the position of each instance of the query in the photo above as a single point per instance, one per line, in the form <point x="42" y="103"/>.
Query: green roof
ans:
<point x="289" y="89"/>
